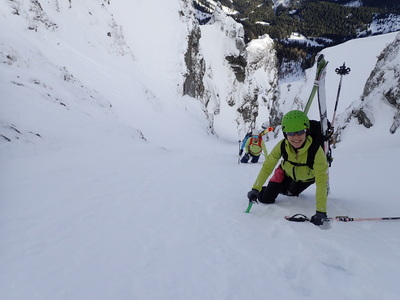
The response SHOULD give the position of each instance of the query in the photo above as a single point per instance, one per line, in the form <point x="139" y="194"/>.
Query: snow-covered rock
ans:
<point x="380" y="100"/>
<point x="240" y="80"/>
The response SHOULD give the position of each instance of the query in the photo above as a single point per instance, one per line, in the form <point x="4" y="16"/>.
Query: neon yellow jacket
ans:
<point x="255" y="149"/>
<point x="298" y="173"/>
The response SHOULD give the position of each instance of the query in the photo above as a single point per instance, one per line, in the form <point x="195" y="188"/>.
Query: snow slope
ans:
<point x="120" y="193"/>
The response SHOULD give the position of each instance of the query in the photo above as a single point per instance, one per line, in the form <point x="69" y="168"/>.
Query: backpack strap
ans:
<point x="259" y="140"/>
<point x="312" y="150"/>
<point x="283" y="151"/>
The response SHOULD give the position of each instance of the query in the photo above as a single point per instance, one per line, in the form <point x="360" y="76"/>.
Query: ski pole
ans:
<point x="342" y="70"/>
<point x="303" y="218"/>
<point x="239" y="152"/>
<point x="249" y="207"/>
<point x="348" y="219"/>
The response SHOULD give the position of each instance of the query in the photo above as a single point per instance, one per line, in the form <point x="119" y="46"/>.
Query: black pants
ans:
<point x="287" y="187"/>
<point x="246" y="158"/>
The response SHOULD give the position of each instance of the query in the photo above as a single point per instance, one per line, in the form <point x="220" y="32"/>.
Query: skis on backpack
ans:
<point x="319" y="90"/>
<point x="321" y="70"/>
<point x="326" y="129"/>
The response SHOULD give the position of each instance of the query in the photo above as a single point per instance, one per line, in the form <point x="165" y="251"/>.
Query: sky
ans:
<point x="112" y="186"/>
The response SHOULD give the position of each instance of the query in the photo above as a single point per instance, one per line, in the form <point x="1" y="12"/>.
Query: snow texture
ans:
<point x="112" y="188"/>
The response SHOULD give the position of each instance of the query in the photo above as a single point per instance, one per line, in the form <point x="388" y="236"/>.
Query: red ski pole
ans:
<point x="348" y="219"/>
<point x="303" y="218"/>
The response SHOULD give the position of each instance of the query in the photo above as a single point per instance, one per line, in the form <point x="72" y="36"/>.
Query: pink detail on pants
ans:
<point x="278" y="175"/>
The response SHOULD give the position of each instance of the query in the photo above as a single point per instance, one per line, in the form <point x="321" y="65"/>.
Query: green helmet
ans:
<point x="295" y="120"/>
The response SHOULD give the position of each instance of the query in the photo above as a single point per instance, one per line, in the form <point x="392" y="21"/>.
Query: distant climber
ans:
<point x="253" y="145"/>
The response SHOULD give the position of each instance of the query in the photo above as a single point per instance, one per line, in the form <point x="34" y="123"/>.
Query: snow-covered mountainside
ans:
<point x="101" y="67"/>
<point x="233" y="87"/>
<point x="112" y="187"/>
<point x="231" y="80"/>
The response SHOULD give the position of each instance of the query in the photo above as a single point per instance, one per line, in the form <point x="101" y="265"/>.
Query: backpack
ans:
<point x="258" y="142"/>
<point x="318" y="141"/>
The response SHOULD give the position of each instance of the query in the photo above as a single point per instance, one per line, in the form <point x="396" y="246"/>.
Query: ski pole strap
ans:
<point x="298" y="218"/>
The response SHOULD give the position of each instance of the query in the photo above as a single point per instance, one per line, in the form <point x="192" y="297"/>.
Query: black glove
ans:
<point x="319" y="218"/>
<point x="253" y="195"/>
<point x="240" y="152"/>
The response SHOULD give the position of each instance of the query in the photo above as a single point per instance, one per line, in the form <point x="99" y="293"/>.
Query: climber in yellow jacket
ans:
<point x="294" y="174"/>
<point x="253" y="148"/>
<point x="254" y="145"/>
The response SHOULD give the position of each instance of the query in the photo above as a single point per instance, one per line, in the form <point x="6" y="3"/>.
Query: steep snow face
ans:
<point x="94" y="63"/>
<point x="159" y="46"/>
<point x="49" y="61"/>
<point x="262" y="79"/>
<point x="106" y="59"/>
<point x="240" y="81"/>
<point x="105" y="68"/>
